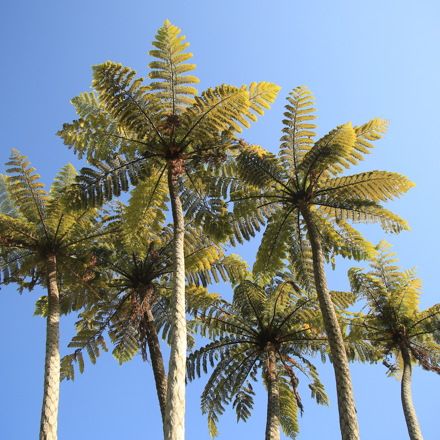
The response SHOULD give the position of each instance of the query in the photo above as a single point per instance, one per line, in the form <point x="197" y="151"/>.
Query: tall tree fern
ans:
<point x="165" y="135"/>
<point x="42" y="242"/>
<point x="404" y="335"/>
<point x="309" y="204"/>
<point x="134" y="306"/>
<point x="268" y="329"/>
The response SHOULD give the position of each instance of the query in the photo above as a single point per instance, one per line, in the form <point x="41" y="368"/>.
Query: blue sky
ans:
<point x="360" y="59"/>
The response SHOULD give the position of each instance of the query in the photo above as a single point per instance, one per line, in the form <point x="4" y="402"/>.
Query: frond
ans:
<point x="329" y="155"/>
<point x="361" y="211"/>
<point x="147" y="204"/>
<point x="88" y="338"/>
<point x="125" y="338"/>
<point x="64" y="178"/>
<point x="97" y="134"/>
<point x="288" y="408"/>
<point x="25" y="190"/>
<point x="261" y="95"/>
<point x="128" y="101"/>
<point x="367" y="133"/>
<point x="109" y="179"/>
<point x="339" y="238"/>
<point x="217" y="109"/>
<point x="280" y="233"/>
<point x="298" y="129"/>
<point x="7" y="206"/>
<point x="250" y="298"/>
<point x="243" y="402"/>
<point x="174" y="88"/>
<point x="374" y="186"/>
<point x="259" y="171"/>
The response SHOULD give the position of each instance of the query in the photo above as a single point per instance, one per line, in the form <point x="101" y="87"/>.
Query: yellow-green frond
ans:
<point x="375" y="186"/>
<point x="173" y="87"/>
<point x="298" y="131"/>
<point x="367" y="133"/>
<point x="219" y="109"/>
<point x="330" y="154"/>
<point x="26" y="191"/>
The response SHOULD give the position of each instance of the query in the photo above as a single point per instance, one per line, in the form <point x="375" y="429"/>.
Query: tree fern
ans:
<point x="394" y="324"/>
<point x="260" y="319"/>
<point x="43" y="242"/>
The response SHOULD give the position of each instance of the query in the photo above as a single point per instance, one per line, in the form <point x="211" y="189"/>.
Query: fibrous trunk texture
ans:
<point x="347" y="411"/>
<point x="408" y="408"/>
<point x="160" y="376"/>
<point x="175" y="408"/>
<point x="273" y="399"/>
<point x="49" y="413"/>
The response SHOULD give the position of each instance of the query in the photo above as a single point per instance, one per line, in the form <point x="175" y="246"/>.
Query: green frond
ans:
<point x="330" y="154"/>
<point x="288" y="408"/>
<point x="96" y="134"/>
<point x="343" y="300"/>
<point x="261" y="95"/>
<point x="362" y="211"/>
<point x="250" y="298"/>
<point x="367" y="133"/>
<point x="125" y="339"/>
<point x="281" y="230"/>
<point x="64" y="178"/>
<point x="7" y="206"/>
<point x="375" y="186"/>
<point x="173" y="88"/>
<point x="257" y="171"/>
<point x="128" y="101"/>
<point x="299" y="252"/>
<point x="298" y="129"/>
<point x="218" y="109"/>
<point x="243" y="402"/>
<point x="109" y="179"/>
<point x="147" y="204"/>
<point x="25" y="190"/>
<point x="88" y="338"/>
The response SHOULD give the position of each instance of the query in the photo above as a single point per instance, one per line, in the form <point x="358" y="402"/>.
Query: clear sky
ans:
<point x="360" y="59"/>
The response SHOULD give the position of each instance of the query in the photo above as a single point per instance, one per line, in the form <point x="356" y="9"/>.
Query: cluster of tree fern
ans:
<point x="134" y="279"/>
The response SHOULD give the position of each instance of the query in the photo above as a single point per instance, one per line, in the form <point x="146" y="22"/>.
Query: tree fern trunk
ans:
<point x="273" y="399"/>
<point x="160" y="376"/>
<point x="175" y="408"/>
<point x="49" y="413"/>
<point x="408" y="408"/>
<point x="347" y="411"/>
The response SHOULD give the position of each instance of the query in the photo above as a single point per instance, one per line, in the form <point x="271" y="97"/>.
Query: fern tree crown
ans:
<point x="308" y="176"/>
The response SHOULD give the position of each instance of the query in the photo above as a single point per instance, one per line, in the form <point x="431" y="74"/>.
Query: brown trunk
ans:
<point x="273" y="398"/>
<point x="160" y="376"/>
<point x="49" y="413"/>
<point x="408" y="408"/>
<point x="175" y="409"/>
<point x="347" y="411"/>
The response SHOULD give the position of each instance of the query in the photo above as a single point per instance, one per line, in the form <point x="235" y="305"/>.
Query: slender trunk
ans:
<point x="273" y="398"/>
<point x="160" y="375"/>
<point x="408" y="408"/>
<point x="175" y="408"/>
<point x="347" y="411"/>
<point x="49" y="413"/>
